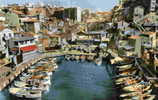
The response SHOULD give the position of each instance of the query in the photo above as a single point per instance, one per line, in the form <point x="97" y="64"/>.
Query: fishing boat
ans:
<point x="55" y="66"/>
<point x="25" y="94"/>
<point x="77" y="58"/>
<point x="20" y="84"/>
<point x="135" y="87"/>
<point x="116" y="60"/>
<point x="82" y="57"/>
<point x="122" y="79"/>
<point x="90" y="58"/>
<point x="67" y="57"/>
<point x="33" y="95"/>
<point x="124" y="66"/>
<point x="19" y="92"/>
<point x="126" y="73"/>
<point x="143" y="96"/>
<point x="150" y="97"/>
<point x="134" y="93"/>
<point x="98" y="61"/>
<point x="72" y="57"/>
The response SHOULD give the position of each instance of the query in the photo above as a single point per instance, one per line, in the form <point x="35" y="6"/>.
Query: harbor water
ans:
<point x="75" y="80"/>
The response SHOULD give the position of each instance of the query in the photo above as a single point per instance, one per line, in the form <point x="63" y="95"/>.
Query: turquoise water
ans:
<point x="78" y="81"/>
<point x="81" y="81"/>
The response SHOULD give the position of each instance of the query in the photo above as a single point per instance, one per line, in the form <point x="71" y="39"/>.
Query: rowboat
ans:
<point x="135" y="93"/>
<point x="83" y="58"/>
<point x="125" y="67"/>
<point x="77" y="57"/>
<point x="98" y="61"/>
<point x="136" y="87"/>
<point x="67" y="57"/>
<point x="122" y="79"/>
<point x="149" y="97"/>
<point x="33" y="94"/>
<point x="132" y="72"/>
<point x="115" y="60"/>
<point x="144" y="97"/>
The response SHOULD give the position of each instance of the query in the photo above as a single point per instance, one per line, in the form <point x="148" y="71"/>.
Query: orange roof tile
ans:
<point x="31" y="20"/>
<point x="104" y="13"/>
<point x="134" y="37"/>
<point x="2" y="27"/>
<point x="18" y="12"/>
<point x="149" y="33"/>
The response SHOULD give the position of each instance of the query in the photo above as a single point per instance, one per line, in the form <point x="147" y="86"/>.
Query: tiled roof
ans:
<point x="2" y="27"/>
<point x="134" y="37"/>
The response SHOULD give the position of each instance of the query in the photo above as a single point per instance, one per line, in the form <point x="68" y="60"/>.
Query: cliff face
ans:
<point x="131" y="4"/>
<point x="134" y="3"/>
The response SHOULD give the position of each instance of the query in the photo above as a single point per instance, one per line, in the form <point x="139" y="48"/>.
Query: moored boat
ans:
<point x="98" y="61"/>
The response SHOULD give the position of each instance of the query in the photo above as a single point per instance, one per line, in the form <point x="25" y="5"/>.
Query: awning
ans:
<point x="28" y="48"/>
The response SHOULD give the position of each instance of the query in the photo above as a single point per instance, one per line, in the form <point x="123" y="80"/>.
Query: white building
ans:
<point x="138" y="13"/>
<point x="79" y="16"/>
<point x="152" y="5"/>
<point x="5" y="35"/>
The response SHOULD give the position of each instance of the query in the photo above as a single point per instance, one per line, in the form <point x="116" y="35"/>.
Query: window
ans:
<point x="16" y="43"/>
<point x="10" y="35"/>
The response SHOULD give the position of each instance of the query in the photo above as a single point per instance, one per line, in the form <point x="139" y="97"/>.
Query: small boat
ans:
<point x="135" y="87"/>
<point x="67" y="57"/>
<point x="124" y="66"/>
<point x="116" y="60"/>
<point x="77" y="57"/>
<point x="144" y="97"/>
<point x="72" y="57"/>
<point x="122" y="79"/>
<point x="20" y="84"/>
<point x="55" y="66"/>
<point x="24" y="78"/>
<point x="33" y="94"/>
<point x="149" y="97"/>
<point x="90" y="58"/>
<point x="134" y="93"/>
<point x="83" y="58"/>
<point x="98" y="61"/>
<point x="128" y="72"/>
<point x="46" y="81"/>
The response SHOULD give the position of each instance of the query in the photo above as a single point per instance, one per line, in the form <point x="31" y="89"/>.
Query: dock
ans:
<point x="6" y="80"/>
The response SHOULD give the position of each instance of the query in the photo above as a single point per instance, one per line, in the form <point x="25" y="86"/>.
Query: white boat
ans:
<point x="134" y="87"/>
<point x="20" y="84"/>
<point x="31" y="94"/>
<point x="98" y="61"/>
<point x="46" y="81"/>
<point x="122" y="79"/>
<point x="55" y="66"/>
<point x="67" y="57"/>
<point x="49" y="73"/>
<point x="115" y="60"/>
<point x="77" y="58"/>
<point x="135" y="93"/>
<point x="144" y="97"/>
<point x="124" y="66"/>
<point x="128" y="72"/>
<point x="24" y="78"/>
<point x="150" y="97"/>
